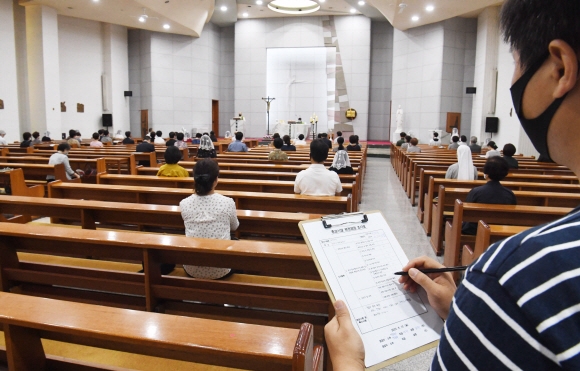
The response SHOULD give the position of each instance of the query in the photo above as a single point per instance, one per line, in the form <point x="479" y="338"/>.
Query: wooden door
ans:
<point x="215" y="116"/>
<point x="453" y="121"/>
<point x="144" y="122"/>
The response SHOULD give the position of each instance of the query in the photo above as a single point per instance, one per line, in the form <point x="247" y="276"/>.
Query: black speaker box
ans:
<point x="128" y="93"/>
<point x="107" y="119"/>
<point x="491" y="124"/>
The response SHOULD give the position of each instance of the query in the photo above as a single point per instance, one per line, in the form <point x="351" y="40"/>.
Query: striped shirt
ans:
<point x="518" y="307"/>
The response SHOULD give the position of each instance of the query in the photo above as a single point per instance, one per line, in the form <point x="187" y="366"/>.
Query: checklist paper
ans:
<point x="357" y="261"/>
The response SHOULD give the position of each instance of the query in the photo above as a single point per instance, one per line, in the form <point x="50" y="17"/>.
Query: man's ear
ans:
<point x="566" y="66"/>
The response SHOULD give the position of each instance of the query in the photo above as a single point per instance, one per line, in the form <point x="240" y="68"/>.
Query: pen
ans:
<point x="436" y="270"/>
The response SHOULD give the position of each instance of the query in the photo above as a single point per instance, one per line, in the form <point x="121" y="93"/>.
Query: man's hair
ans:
<point x="63" y="147"/>
<point x="172" y="155"/>
<point x="455" y="139"/>
<point x="180" y="136"/>
<point x="473" y="139"/>
<point x="35" y="135"/>
<point x="435" y="134"/>
<point x="128" y="134"/>
<point x="100" y="131"/>
<point x="72" y="133"/>
<point x="318" y="150"/>
<point x="159" y="133"/>
<point x="530" y="25"/>
<point x="403" y="135"/>
<point x="319" y="136"/>
<point x="509" y="150"/>
<point x="26" y="135"/>
<point x="414" y="141"/>
<point x="106" y="132"/>
<point x="276" y="135"/>
<point x="496" y="168"/>
<point x="278" y="143"/>
<point x="240" y="135"/>
<point x="325" y="135"/>
<point x="205" y="172"/>
<point x="211" y="133"/>
<point x="147" y="138"/>
<point x="407" y="138"/>
<point x="198" y="135"/>
<point x="340" y="141"/>
<point x="339" y="133"/>
<point x="95" y="136"/>
<point x="352" y="139"/>
<point x="286" y="139"/>
<point x="464" y="139"/>
<point x="301" y="137"/>
<point x="171" y="134"/>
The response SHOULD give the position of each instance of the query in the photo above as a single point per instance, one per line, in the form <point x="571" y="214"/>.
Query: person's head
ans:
<point x="2" y="133"/>
<point x="496" y="168"/>
<point x="205" y="133"/>
<point x="455" y="139"/>
<point x="147" y="138"/>
<point x="339" y="133"/>
<point x="171" y="134"/>
<point x="324" y="135"/>
<point x="35" y="135"/>
<point x="340" y="141"/>
<point x="78" y="135"/>
<point x="198" y="135"/>
<point x="407" y="139"/>
<point x="319" y="136"/>
<point x="105" y="133"/>
<point x="509" y="150"/>
<point x="473" y="140"/>
<point x="151" y="130"/>
<point x="211" y="133"/>
<point x="172" y="155"/>
<point x="100" y="131"/>
<point x="128" y="134"/>
<point x="545" y="39"/>
<point x="276" y="135"/>
<point x="464" y="139"/>
<point x="356" y="138"/>
<point x="435" y="135"/>
<point x="240" y="135"/>
<point x="180" y="136"/>
<point x="278" y="143"/>
<point x="158" y="133"/>
<point x="72" y="133"/>
<point x="286" y="139"/>
<point x="95" y="136"/>
<point x="301" y="136"/>
<point x="352" y="139"/>
<point x="318" y="150"/>
<point x="492" y="144"/>
<point x="63" y="147"/>
<point x="26" y="135"/>
<point x="403" y="135"/>
<point x="414" y="141"/>
<point x="205" y="174"/>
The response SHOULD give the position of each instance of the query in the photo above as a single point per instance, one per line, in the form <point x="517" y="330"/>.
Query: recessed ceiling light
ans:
<point x="293" y="6"/>
<point x="430" y="8"/>
<point x="245" y="14"/>
<point x="361" y="3"/>
<point x="415" y="18"/>
<point x="141" y="19"/>
<point x="166" y="26"/>
<point x="223" y="8"/>
<point x="259" y="2"/>
<point x="353" y="10"/>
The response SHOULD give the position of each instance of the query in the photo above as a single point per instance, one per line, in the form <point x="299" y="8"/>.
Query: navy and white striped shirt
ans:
<point x="518" y="307"/>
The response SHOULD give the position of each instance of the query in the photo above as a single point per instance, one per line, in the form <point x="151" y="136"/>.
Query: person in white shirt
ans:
<point x="159" y="138"/>
<point x="435" y="141"/>
<point x="95" y="142"/>
<point x="317" y="180"/>
<point x="61" y="157"/>
<point x="300" y="141"/>
<point x="3" y="142"/>
<point x="492" y="150"/>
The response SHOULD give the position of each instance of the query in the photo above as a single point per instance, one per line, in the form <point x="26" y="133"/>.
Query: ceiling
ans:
<point x="188" y="17"/>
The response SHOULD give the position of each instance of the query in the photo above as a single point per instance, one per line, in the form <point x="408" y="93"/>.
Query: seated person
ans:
<point x="326" y="140"/>
<point x="212" y="136"/>
<point x="45" y="138"/>
<point x="454" y="142"/>
<point x="340" y="147"/>
<point x="338" y="135"/>
<point x="72" y="139"/>
<point x="402" y="140"/>
<point x="61" y="157"/>
<point x="300" y="141"/>
<point x="495" y="170"/>
<point x="509" y="150"/>
<point x="463" y="169"/>
<point x="118" y="135"/>
<point x="353" y="143"/>
<point x="197" y="138"/>
<point x="316" y="180"/>
<point x="341" y="162"/>
<point x="277" y="154"/>
<point x="413" y="146"/>
<point x="171" y="141"/>
<point x="435" y="141"/>
<point x="492" y="150"/>
<point x="128" y="139"/>
<point x="238" y="145"/>
<point x="171" y="168"/>
<point x="146" y="147"/>
<point x="152" y="136"/>
<point x="159" y="138"/>
<point x="405" y="145"/>
<point x="276" y="135"/>
<point x="463" y="140"/>
<point x="105" y="139"/>
<point x="27" y="142"/>
<point x="36" y="138"/>
<point x="475" y="148"/>
<point x="287" y="144"/>
<point x="207" y="214"/>
<point x="95" y="142"/>
<point x="180" y="143"/>
<point x="206" y="148"/>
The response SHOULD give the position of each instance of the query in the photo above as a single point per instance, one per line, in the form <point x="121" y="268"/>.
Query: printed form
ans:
<point x="358" y="261"/>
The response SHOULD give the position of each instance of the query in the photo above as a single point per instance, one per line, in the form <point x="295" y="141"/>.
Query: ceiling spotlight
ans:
<point x="361" y="3"/>
<point x="223" y="8"/>
<point x="166" y="26"/>
<point x="352" y="10"/>
<point x="141" y="19"/>
<point x="430" y="8"/>
<point x="259" y="2"/>
<point x="415" y="18"/>
<point x="245" y="14"/>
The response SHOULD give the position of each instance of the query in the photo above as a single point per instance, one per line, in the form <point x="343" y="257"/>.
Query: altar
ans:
<point x="292" y="129"/>
<point x="237" y="124"/>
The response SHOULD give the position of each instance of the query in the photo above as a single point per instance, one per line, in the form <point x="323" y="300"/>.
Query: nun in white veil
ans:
<point x="463" y="169"/>
<point x="206" y="148"/>
<point x="341" y="163"/>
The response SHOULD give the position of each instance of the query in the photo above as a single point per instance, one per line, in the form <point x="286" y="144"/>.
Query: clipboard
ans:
<point x="342" y="227"/>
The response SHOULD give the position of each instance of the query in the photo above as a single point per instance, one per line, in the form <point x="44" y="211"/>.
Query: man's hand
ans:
<point x="440" y="287"/>
<point x="345" y="346"/>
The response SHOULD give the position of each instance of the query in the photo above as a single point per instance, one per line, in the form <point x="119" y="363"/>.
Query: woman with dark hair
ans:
<point x="287" y="144"/>
<point x="206" y="148"/>
<point x="207" y="214"/>
<point x="27" y="142"/>
<point x="340" y="147"/>
<point x="492" y="150"/>
<point x="354" y="146"/>
<point x="36" y="138"/>
<point x="509" y="150"/>
<point x="61" y="157"/>
<point x="180" y="143"/>
<point x="212" y="136"/>
<point x="171" y="168"/>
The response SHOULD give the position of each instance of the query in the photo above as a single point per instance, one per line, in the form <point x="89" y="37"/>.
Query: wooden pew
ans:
<point x="98" y="164"/>
<point x="27" y="320"/>
<point x="15" y="179"/>
<point x="492" y="214"/>
<point x="486" y="235"/>
<point x="38" y="172"/>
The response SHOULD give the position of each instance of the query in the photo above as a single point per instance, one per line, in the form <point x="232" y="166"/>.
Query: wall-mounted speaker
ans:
<point x="491" y="124"/>
<point x="128" y="93"/>
<point x="107" y="119"/>
<point x="470" y="90"/>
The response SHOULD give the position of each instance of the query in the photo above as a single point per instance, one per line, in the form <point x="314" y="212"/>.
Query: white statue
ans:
<point x="399" y="120"/>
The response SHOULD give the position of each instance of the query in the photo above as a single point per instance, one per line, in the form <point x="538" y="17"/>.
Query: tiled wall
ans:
<point x="380" y="80"/>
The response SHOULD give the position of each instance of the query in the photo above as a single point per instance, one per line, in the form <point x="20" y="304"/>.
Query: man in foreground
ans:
<point x="317" y="180"/>
<point x="518" y="306"/>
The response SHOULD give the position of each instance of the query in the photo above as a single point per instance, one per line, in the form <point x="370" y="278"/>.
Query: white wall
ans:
<point x="9" y="116"/>
<point x="381" y="79"/>
<point x="227" y="67"/>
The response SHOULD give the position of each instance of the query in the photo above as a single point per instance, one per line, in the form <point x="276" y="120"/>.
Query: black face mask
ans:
<point x="536" y="129"/>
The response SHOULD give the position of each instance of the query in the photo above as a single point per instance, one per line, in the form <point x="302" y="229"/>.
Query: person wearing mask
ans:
<point x="402" y="140"/>
<point x="159" y="137"/>
<point x="27" y="142"/>
<point x="463" y="169"/>
<point x="509" y="150"/>
<point x="238" y="145"/>
<point x="146" y="147"/>
<point x="36" y="138"/>
<point x="180" y="143"/>
<point x="287" y="144"/>
<point x="207" y="214"/>
<point x="171" y="141"/>
<point x="492" y="150"/>
<point x="435" y="141"/>
<point x="405" y="145"/>
<point x="206" y="148"/>
<point x="353" y="143"/>
<point x="106" y="138"/>
<point x="61" y="157"/>
<point x="475" y="148"/>
<point x="338" y="135"/>
<point x="212" y="136"/>
<point x="317" y="180"/>
<point x="277" y="154"/>
<point x="95" y="142"/>
<point x="300" y="141"/>
<point x="454" y="143"/>
<point x="412" y="148"/>
<point x="72" y="140"/>
<point x="172" y="156"/>
<point x="341" y="162"/>
<point x="128" y="139"/>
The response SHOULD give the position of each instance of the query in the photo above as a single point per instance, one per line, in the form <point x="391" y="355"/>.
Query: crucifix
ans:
<point x="268" y="100"/>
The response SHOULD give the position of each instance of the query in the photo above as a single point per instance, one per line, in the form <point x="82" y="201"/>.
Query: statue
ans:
<point x="399" y="120"/>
